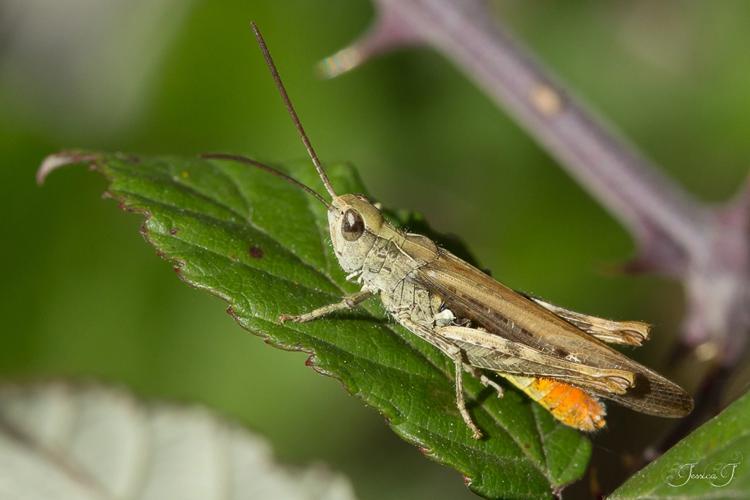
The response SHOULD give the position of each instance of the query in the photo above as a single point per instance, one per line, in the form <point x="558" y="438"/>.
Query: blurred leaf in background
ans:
<point x="73" y="441"/>
<point x="82" y="296"/>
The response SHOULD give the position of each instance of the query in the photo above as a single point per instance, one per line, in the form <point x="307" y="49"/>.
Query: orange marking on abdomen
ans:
<point x="568" y="404"/>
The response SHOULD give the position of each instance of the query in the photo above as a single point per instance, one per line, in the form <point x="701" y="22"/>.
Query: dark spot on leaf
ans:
<point x="256" y="252"/>
<point x="173" y="231"/>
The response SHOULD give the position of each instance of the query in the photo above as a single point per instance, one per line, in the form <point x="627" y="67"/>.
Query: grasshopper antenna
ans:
<point x="290" y="109"/>
<point x="267" y="168"/>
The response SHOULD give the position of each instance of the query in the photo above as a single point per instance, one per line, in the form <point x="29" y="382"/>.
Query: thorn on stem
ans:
<point x="386" y="34"/>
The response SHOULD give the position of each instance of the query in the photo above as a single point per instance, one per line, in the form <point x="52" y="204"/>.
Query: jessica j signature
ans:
<point x="718" y="474"/>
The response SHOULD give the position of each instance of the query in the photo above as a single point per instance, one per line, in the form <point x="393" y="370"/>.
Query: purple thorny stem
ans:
<point x="706" y="248"/>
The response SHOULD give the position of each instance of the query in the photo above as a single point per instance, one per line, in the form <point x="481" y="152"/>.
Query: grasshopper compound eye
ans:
<point x="352" y="226"/>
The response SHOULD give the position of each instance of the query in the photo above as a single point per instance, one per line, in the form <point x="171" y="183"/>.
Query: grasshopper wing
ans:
<point x="471" y="294"/>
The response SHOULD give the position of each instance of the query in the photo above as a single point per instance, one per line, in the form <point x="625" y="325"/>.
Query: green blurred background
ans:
<point x="84" y="295"/>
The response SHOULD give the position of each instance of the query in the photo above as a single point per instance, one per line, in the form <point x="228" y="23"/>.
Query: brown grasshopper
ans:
<point x="558" y="357"/>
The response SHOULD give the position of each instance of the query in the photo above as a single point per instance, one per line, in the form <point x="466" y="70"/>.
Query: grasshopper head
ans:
<point x="354" y="223"/>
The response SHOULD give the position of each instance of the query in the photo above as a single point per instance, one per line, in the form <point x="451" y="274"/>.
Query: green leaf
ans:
<point x="709" y="463"/>
<point x="262" y="245"/>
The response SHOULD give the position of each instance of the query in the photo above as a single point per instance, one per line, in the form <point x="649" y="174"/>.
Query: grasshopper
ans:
<point x="560" y="358"/>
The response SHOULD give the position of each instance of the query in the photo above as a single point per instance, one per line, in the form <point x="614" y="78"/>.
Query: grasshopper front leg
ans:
<point x="348" y="302"/>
